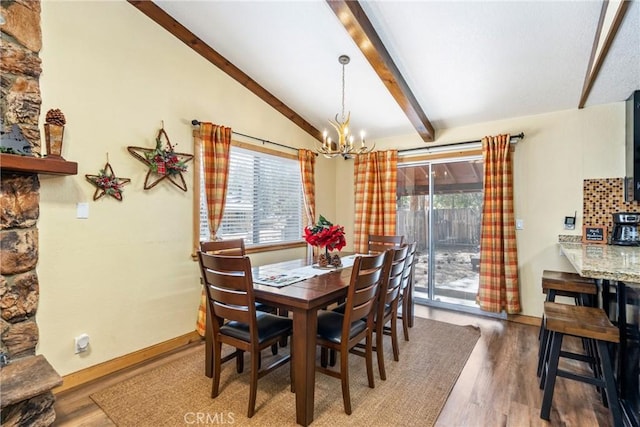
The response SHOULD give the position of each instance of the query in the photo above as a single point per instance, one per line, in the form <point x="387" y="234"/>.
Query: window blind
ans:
<point x="264" y="202"/>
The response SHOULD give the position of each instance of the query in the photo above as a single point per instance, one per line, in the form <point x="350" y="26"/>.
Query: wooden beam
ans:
<point x="593" y="71"/>
<point x="163" y="19"/>
<point x="355" y="21"/>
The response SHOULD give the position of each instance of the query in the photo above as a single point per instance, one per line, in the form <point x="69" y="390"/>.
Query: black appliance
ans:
<point x="626" y="229"/>
<point x="633" y="147"/>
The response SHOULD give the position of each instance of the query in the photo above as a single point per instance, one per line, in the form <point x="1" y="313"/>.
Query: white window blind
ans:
<point x="264" y="199"/>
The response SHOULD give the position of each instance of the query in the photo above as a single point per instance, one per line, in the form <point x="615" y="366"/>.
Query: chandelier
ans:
<point x="344" y="145"/>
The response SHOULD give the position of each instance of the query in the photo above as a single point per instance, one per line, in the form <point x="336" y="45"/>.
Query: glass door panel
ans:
<point x="439" y="206"/>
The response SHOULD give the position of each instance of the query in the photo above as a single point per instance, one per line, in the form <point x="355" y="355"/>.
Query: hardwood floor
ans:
<point x="498" y="386"/>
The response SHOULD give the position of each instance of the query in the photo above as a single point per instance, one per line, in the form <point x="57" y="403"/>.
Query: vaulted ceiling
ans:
<point x="416" y="66"/>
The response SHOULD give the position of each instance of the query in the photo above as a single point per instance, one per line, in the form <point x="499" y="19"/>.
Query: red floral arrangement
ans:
<point x="325" y="235"/>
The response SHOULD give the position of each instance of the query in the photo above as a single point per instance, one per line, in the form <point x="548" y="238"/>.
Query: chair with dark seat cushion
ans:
<point x="230" y="247"/>
<point x="342" y="332"/>
<point x="236" y="322"/>
<point x="233" y="247"/>
<point x="386" y="309"/>
<point x="377" y="243"/>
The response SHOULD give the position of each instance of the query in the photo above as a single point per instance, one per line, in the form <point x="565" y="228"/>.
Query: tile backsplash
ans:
<point x="602" y="198"/>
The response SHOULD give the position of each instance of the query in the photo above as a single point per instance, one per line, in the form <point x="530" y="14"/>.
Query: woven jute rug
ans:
<point x="414" y="393"/>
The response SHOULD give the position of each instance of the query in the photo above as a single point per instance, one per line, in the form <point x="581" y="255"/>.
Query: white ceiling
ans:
<point x="465" y="61"/>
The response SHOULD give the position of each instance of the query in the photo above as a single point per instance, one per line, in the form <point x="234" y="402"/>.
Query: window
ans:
<point x="264" y="199"/>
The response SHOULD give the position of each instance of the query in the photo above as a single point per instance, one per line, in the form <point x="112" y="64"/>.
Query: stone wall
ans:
<point x="25" y="395"/>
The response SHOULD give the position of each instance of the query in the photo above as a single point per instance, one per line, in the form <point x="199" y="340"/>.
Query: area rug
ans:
<point x="414" y="393"/>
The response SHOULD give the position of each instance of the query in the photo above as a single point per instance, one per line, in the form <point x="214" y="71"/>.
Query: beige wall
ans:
<point x="124" y="276"/>
<point x="559" y="151"/>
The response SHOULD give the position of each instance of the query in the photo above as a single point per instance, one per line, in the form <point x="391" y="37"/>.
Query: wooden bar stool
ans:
<point x="562" y="283"/>
<point x="572" y="285"/>
<point x="582" y="322"/>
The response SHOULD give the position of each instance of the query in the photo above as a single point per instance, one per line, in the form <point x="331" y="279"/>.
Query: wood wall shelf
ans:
<point x="44" y="165"/>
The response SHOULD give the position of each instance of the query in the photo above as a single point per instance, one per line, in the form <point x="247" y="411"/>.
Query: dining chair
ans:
<point x="387" y="306"/>
<point x="378" y="243"/>
<point x="234" y="247"/>
<point x="406" y="290"/>
<point x="236" y="322"/>
<point x="231" y="247"/>
<point x="386" y="309"/>
<point x="342" y="332"/>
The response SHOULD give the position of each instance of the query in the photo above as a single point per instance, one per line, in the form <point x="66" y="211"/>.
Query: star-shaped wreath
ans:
<point x="163" y="162"/>
<point x="107" y="184"/>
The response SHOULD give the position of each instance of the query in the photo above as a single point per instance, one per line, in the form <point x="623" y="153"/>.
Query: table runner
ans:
<point x="289" y="277"/>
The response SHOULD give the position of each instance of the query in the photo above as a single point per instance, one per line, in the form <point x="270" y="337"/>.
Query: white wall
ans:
<point x="124" y="276"/>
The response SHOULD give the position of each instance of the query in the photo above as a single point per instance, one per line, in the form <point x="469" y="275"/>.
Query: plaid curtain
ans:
<point x="375" y="196"/>
<point x="216" y="142"/>
<point x="498" y="288"/>
<point x="307" y="159"/>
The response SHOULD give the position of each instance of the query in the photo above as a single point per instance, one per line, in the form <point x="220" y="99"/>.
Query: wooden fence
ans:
<point x="451" y="227"/>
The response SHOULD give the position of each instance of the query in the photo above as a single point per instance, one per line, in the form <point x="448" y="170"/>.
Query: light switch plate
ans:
<point x="82" y="211"/>
<point x="519" y="224"/>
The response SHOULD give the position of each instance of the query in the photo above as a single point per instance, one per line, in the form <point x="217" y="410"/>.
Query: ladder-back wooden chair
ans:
<point x="342" y="332"/>
<point x="378" y="243"/>
<point x="236" y="322"/>
<point x="229" y="247"/>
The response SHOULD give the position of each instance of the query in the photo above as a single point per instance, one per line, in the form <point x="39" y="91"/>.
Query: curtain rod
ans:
<point x="197" y="123"/>
<point x="518" y="136"/>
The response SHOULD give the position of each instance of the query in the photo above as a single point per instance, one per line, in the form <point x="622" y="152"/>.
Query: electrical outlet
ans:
<point x="81" y="343"/>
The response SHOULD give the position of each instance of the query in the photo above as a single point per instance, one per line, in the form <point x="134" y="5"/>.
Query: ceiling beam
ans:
<point x="165" y="20"/>
<point x="355" y="21"/>
<point x="594" y="67"/>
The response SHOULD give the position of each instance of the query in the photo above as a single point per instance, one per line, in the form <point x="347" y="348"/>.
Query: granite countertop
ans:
<point x="610" y="262"/>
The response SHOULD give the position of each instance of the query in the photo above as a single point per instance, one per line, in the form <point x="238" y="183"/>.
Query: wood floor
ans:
<point x="498" y="386"/>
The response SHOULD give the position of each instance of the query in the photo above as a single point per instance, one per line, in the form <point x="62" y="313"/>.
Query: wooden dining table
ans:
<point x="302" y="299"/>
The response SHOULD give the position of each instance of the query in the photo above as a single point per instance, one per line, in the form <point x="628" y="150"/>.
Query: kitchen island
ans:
<point x="607" y="262"/>
<point x="616" y="269"/>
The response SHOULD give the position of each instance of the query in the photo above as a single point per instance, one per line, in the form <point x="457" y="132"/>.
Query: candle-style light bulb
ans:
<point x="324" y="138"/>
<point x="362" y="137"/>
<point x="351" y="141"/>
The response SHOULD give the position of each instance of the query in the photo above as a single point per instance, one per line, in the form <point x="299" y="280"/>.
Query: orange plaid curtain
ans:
<point x="498" y="288"/>
<point x="216" y="145"/>
<point x="375" y="196"/>
<point x="307" y="160"/>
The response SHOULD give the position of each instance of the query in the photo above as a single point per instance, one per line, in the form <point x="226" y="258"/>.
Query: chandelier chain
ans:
<point x="343" y="65"/>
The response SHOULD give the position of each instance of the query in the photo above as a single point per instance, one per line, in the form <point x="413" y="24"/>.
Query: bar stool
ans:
<point x="572" y="285"/>
<point x="582" y="322"/>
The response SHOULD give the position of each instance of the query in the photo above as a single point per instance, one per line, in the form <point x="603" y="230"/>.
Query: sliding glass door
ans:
<point x="439" y="206"/>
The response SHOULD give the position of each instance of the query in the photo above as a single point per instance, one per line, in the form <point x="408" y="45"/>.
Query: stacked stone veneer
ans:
<point x="26" y="382"/>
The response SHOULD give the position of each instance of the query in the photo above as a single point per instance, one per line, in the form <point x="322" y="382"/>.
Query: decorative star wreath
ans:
<point x="163" y="162"/>
<point x="107" y="183"/>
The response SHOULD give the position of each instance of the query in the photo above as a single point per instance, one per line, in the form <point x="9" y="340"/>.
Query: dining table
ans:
<point x="301" y="289"/>
<point x="616" y="269"/>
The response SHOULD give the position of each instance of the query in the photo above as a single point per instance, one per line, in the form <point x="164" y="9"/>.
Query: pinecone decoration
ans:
<point x="55" y="117"/>
<point x="322" y="260"/>
<point x="335" y="261"/>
